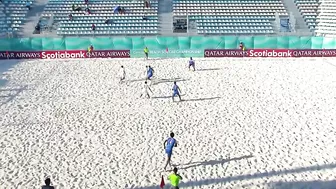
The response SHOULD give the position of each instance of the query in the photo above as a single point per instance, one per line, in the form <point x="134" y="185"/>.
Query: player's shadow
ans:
<point x="199" y="99"/>
<point x="159" y="81"/>
<point x="10" y="97"/>
<point x="266" y="174"/>
<point x="24" y="88"/>
<point x="135" y="80"/>
<point x="261" y="175"/>
<point x="164" y="97"/>
<point x="210" y="69"/>
<point x="212" y="162"/>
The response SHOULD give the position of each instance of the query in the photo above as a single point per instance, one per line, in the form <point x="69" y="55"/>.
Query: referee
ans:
<point x="146" y="51"/>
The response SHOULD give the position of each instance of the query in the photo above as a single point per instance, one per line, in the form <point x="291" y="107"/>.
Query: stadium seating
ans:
<point x="308" y="9"/>
<point x="130" y="23"/>
<point x="230" y="16"/>
<point x="326" y="21"/>
<point x="12" y="15"/>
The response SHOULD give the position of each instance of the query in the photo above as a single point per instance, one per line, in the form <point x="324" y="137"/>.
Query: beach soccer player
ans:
<point x="169" y="144"/>
<point x="176" y="91"/>
<point x="174" y="179"/>
<point x="192" y="63"/>
<point x="122" y="74"/>
<point x="150" y="72"/>
<point x="146" y="90"/>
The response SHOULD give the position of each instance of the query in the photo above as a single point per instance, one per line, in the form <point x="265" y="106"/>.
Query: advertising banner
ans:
<point x="168" y="53"/>
<point x="268" y="53"/>
<point x="178" y="46"/>
<point x="224" y="53"/>
<point x="71" y="54"/>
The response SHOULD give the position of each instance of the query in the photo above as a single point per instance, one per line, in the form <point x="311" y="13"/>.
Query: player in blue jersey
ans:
<point x="176" y="91"/>
<point x="150" y="72"/>
<point x="169" y="144"/>
<point x="192" y="63"/>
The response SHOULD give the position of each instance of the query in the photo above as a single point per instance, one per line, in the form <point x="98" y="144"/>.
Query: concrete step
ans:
<point x="33" y="18"/>
<point x="291" y="8"/>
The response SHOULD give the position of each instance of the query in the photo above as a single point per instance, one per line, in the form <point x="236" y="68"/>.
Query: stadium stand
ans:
<point x="308" y="9"/>
<point x="216" y="17"/>
<point x="231" y="16"/>
<point x="12" y="15"/>
<point x="136" y="20"/>
<point x="326" y="20"/>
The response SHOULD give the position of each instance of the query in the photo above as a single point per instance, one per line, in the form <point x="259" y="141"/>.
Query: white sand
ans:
<point x="71" y="121"/>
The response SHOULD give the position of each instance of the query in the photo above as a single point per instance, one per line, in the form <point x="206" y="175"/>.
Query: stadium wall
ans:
<point x="159" y="47"/>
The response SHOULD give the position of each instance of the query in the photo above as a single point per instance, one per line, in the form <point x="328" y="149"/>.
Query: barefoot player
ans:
<point x="169" y="144"/>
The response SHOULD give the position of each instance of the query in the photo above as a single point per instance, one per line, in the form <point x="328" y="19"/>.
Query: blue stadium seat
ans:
<point x="231" y="16"/>
<point x="131" y="22"/>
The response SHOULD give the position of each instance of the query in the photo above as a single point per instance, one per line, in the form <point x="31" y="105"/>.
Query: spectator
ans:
<point x="74" y="8"/>
<point x="119" y="9"/>
<point x="107" y="20"/>
<point x="7" y="53"/>
<point x="90" y="49"/>
<point x="241" y="46"/>
<point x="93" y="27"/>
<point x="38" y="27"/>
<point x="70" y="17"/>
<point x="86" y="2"/>
<point x="28" y="5"/>
<point x="144" y="17"/>
<point x="122" y="11"/>
<point x="47" y="184"/>
<point x="88" y="11"/>
<point x="147" y="5"/>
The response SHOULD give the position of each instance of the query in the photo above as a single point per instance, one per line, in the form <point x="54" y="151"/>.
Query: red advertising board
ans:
<point x="278" y="53"/>
<point x="64" y="54"/>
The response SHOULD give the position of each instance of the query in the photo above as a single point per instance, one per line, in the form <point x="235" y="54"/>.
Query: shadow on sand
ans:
<point x="275" y="185"/>
<point x="7" y="65"/>
<point x="316" y="184"/>
<point x="135" y="80"/>
<point x="164" y="97"/>
<point x="159" y="81"/>
<point x="211" y="162"/>
<point x="186" y="100"/>
<point x="199" y="99"/>
<point x="8" y="98"/>
<point x="210" y="69"/>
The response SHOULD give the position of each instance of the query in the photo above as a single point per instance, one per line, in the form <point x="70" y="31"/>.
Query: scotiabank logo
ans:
<point x="84" y="54"/>
<point x="63" y="54"/>
<point x="270" y="53"/>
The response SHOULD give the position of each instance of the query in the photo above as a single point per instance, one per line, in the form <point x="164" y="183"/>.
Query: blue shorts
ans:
<point x="192" y="64"/>
<point x="169" y="153"/>
<point x="149" y="75"/>
<point x="176" y="93"/>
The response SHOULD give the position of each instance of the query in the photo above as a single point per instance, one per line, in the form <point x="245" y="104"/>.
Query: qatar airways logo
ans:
<point x="63" y="55"/>
<point x="270" y="53"/>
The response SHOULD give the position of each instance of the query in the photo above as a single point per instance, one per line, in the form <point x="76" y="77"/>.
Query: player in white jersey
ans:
<point x="122" y="74"/>
<point x="146" y="90"/>
<point x="192" y="63"/>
